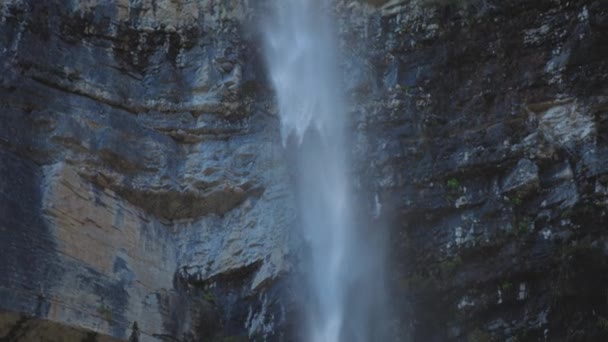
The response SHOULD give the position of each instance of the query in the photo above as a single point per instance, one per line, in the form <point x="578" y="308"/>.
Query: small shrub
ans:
<point x="506" y="286"/>
<point x="209" y="297"/>
<point x="453" y="184"/>
<point x="516" y="200"/>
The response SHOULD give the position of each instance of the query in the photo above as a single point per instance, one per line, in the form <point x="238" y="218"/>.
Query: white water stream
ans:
<point x="302" y="60"/>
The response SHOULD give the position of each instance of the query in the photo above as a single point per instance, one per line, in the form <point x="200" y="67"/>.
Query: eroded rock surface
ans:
<point x="485" y="125"/>
<point x="143" y="184"/>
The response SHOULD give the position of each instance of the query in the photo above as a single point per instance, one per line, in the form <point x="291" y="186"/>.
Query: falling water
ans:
<point x="341" y="275"/>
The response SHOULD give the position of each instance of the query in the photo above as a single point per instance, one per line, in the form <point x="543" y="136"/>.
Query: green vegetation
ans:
<point x="453" y="184"/>
<point x="567" y="213"/>
<point x="584" y="250"/>
<point x="209" y="297"/>
<point x="479" y="336"/>
<point x="521" y="336"/>
<point x="449" y="265"/>
<point x="434" y="278"/>
<point x="405" y="88"/>
<point x="418" y="282"/>
<point x="522" y="227"/>
<point x="516" y="200"/>
<point x="602" y="323"/>
<point x="105" y="312"/>
<point x="454" y="190"/>
<point x="506" y="286"/>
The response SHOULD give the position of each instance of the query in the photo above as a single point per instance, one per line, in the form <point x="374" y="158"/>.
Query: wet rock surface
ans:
<point x="484" y="125"/>
<point x="145" y="194"/>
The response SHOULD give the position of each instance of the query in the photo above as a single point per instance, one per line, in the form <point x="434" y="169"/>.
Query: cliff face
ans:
<point x="484" y="127"/>
<point x="142" y="184"/>
<point x="146" y="196"/>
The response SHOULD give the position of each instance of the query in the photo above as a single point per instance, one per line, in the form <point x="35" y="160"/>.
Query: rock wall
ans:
<point x="483" y="126"/>
<point x="144" y="192"/>
<point x="145" y="195"/>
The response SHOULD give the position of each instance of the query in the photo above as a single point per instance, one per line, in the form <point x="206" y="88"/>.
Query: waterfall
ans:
<point x="341" y="270"/>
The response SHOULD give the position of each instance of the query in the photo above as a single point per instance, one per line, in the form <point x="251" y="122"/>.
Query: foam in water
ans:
<point x="302" y="61"/>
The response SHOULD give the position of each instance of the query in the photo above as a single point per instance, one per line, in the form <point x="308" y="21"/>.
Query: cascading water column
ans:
<point x="302" y="61"/>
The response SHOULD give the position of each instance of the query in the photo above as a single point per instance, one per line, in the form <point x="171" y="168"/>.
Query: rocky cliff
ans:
<point x="484" y="127"/>
<point x="145" y="195"/>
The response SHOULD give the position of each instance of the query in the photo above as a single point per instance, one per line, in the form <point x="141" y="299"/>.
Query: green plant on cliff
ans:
<point x="419" y="282"/>
<point x="479" y="336"/>
<point x="522" y="226"/>
<point x="516" y="200"/>
<point x="449" y="265"/>
<point x="105" y="312"/>
<point x="521" y="336"/>
<point x="506" y="286"/>
<point x="602" y="323"/>
<point x="454" y="190"/>
<point x="453" y="184"/>
<point x="567" y="213"/>
<point x="209" y="297"/>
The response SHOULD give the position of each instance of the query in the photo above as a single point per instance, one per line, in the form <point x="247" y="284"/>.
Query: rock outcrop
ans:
<point x="485" y="125"/>
<point x="145" y="194"/>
